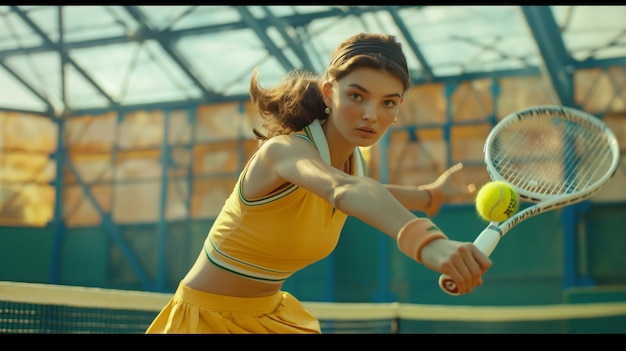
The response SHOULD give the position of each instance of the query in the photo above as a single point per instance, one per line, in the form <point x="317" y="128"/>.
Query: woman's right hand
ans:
<point x="461" y="261"/>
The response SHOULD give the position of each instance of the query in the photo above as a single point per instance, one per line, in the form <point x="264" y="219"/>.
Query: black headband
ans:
<point x="371" y="48"/>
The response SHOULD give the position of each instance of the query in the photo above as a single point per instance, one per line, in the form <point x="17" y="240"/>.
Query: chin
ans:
<point x="366" y="142"/>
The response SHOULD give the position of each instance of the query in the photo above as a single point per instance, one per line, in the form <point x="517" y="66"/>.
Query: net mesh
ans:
<point x="52" y="309"/>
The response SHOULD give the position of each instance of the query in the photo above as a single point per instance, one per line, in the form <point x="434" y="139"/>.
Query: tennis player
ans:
<point x="292" y="198"/>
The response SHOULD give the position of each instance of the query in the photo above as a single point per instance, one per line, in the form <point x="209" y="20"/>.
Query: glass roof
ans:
<point x="69" y="60"/>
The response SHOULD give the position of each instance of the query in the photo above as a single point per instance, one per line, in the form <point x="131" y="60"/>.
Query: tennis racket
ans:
<point x="553" y="156"/>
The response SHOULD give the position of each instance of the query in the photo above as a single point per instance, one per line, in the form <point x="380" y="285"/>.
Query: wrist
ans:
<point x="436" y="200"/>
<point x="416" y="234"/>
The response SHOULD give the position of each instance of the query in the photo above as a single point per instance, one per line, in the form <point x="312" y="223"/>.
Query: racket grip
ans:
<point x="486" y="242"/>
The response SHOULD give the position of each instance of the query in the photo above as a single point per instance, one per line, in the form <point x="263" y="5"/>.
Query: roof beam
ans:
<point x="260" y="31"/>
<point x="29" y="87"/>
<point x="557" y="62"/>
<point x="426" y="71"/>
<point x="296" y="20"/>
<point x="166" y="45"/>
<point x="63" y="54"/>
<point x="296" y="46"/>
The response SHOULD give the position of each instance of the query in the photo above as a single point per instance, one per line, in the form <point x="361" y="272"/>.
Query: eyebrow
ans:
<point x="354" y="85"/>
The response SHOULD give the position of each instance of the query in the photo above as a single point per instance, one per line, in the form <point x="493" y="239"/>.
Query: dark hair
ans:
<point x="297" y="100"/>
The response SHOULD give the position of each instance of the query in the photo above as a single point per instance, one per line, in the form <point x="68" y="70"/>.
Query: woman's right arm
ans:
<point x="296" y="161"/>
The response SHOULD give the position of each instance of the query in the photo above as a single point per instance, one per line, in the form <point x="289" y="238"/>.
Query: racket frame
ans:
<point x="489" y="238"/>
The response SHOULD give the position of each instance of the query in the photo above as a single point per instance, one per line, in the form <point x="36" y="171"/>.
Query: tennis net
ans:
<point x="59" y="309"/>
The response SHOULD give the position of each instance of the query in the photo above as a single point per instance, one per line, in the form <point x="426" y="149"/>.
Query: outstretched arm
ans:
<point x="428" y="198"/>
<point x="294" y="160"/>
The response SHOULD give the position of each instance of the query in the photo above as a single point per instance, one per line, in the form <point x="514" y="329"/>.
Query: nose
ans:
<point x="369" y="113"/>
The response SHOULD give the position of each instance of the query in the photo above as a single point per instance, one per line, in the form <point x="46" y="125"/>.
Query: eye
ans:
<point x="356" y="97"/>
<point x="390" y="103"/>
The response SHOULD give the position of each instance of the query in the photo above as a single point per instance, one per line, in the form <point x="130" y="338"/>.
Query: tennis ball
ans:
<point x="496" y="201"/>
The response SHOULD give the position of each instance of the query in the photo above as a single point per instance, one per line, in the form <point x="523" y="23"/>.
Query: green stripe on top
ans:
<point x="269" y="198"/>
<point x="281" y="193"/>
<point x="306" y="137"/>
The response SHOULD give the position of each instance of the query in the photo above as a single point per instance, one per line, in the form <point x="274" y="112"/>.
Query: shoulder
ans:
<point x="287" y="146"/>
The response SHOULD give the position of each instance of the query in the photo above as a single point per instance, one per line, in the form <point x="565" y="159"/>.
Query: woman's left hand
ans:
<point x="452" y="184"/>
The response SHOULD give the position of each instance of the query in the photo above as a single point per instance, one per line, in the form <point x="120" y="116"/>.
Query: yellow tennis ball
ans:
<point x="496" y="201"/>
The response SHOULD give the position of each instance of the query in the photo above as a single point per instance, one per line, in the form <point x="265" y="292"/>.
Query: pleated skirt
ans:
<point x="191" y="311"/>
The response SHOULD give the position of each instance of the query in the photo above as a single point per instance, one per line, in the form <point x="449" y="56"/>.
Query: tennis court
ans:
<point x="27" y="308"/>
<point x="124" y="128"/>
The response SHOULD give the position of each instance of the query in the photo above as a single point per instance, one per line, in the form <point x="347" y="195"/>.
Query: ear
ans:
<point x="327" y="89"/>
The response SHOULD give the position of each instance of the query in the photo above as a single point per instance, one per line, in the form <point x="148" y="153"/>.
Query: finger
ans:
<point x="465" y="280"/>
<point x="473" y="265"/>
<point x="454" y="168"/>
<point x="483" y="260"/>
<point x="471" y="188"/>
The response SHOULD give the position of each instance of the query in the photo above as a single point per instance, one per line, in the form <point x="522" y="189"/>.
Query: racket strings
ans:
<point x="523" y="155"/>
<point x="588" y="158"/>
<point x="551" y="156"/>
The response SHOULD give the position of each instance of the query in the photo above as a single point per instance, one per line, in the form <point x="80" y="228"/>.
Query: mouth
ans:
<point x="366" y="131"/>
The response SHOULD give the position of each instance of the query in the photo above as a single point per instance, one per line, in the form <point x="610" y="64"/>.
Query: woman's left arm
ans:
<point x="429" y="198"/>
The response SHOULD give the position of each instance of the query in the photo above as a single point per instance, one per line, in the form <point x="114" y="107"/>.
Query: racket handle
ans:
<point x="485" y="242"/>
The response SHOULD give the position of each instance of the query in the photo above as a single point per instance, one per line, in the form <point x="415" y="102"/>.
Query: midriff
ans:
<point x="206" y="276"/>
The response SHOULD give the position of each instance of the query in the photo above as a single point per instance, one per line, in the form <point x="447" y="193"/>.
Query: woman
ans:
<point x="294" y="194"/>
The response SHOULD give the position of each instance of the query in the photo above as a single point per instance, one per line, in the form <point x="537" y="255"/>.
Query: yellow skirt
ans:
<point x="191" y="311"/>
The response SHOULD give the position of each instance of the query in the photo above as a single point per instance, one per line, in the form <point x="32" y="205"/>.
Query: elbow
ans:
<point x="336" y="197"/>
<point x="345" y="196"/>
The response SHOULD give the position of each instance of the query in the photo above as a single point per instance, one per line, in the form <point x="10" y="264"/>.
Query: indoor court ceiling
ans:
<point x="77" y="60"/>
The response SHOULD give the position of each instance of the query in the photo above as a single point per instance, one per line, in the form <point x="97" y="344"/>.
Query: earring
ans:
<point x="395" y="120"/>
<point x="327" y="110"/>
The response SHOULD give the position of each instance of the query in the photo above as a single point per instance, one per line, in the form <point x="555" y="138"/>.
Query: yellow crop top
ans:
<point x="268" y="239"/>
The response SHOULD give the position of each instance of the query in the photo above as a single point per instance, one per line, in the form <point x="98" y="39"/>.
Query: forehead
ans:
<point x="373" y="80"/>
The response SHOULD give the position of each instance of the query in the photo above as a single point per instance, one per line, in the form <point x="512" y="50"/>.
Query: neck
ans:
<point x="340" y="150"/>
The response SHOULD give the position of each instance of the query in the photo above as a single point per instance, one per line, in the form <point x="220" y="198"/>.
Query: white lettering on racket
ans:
<point x="531" y="212"/>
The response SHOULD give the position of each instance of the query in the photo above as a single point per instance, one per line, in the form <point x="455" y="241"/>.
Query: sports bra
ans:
<point x="269" y="238"/>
